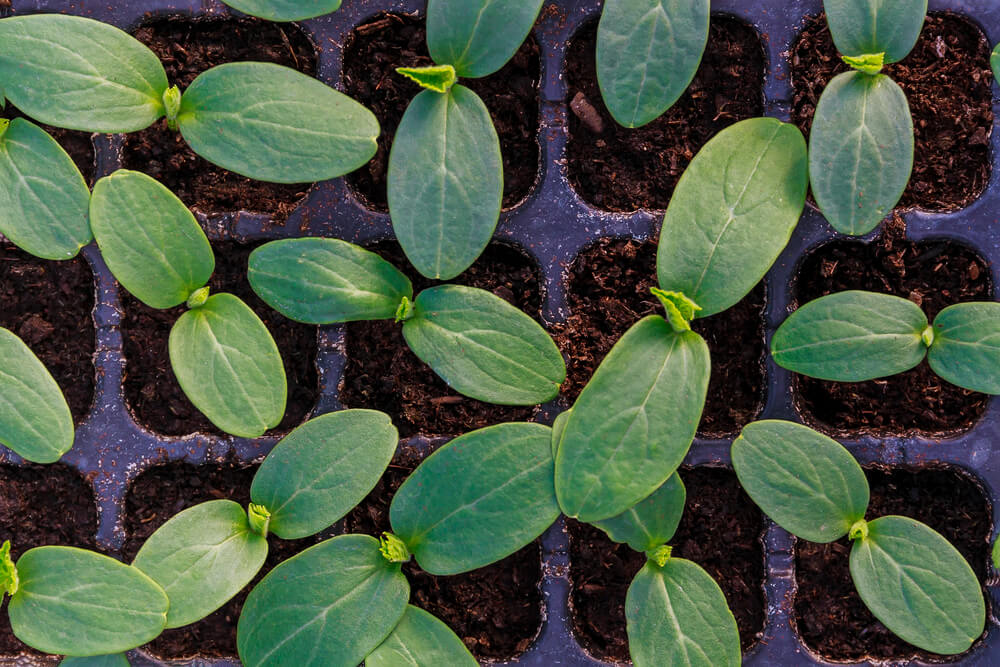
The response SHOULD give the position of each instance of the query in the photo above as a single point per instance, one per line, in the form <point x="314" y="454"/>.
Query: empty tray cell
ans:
<point x="79" y="145"/>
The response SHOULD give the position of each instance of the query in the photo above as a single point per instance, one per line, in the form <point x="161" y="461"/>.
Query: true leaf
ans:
<point x="478" y="37"/>
<point x="875" y="26"/>
<point x="650" y="522"/>
<point x="421" y="640"/>
<point x="115" y="660"/>
<point x="439" y="78"/>
<point x="285" y="10"/>
<point x="966" y="347"/>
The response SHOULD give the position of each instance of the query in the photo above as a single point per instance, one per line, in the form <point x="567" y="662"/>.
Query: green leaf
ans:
<point x="445" y="181"/>
<point x="478" y="499"/>
<point x="995" y="61"/>
<point x="332" y="604"/>
<point x="634" y="421"/>
<point x="860" y="150"/>
<point x="149" y="239"/>
<point x="201" y="558"/>
<point x="648" y="52"/>
<point x="733" y="212"/>
<point x="966" y="347"/>
<point x="80" y="74"/>
<point x="851" y="337"/>
<point x="272" y="123"/>
<point x="229" y="366"/>
<point x="678" y="615"/>
<point x="115" y="660"/>
<point x="80" y="603"/>
<point x="804" y="481"/>
<point x="478" y="37"/>
<point x="650" y="522"/>
<point x="421" y="640"/>
<point x="558" y="428"/>
<point x="43" y="197"/>
<point x="869" y="63"/>
<point x="915" y="582"/>
<point x="483" y="347"/>
<point x="285" y="10"/>
<point x="439" y="78"/>
<point x="875" y="26"/>
<point x="326" y="281"/>
<point x="35" y="420"/>
<point x="322" y="469"/>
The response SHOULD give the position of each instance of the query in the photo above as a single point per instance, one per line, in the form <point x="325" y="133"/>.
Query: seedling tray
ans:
<point x="552" y="225"/>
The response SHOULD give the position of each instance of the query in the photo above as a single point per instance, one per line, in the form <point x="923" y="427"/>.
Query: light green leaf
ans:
<point x="272" y="123"/>
<point x="445" y="181"/>
<point x="634" y="421"/>
<point x="115" y="660"/>
<point x="478" y="499"/>
<point x="229" y="366"/>
<point x="650" y="522"/>
<point x="285" y="10"/>
<point x="648" y="52"/>
<point x="421" y="640"/>
<point x="439" y="78"/>
<point x="558" y="427"/>
<point x="860" y="150"/>
<point x="995" y="61"/>
<point x="483" y="347"/>
<point x="332" y="604"/>
<point x="875" y="26"/>
<point x="966" y="347"/>
<point x="80" y="74"/>
<point x="733" y="212"/>
<point x="478" y="37"/>
<point x="915" y="582"/>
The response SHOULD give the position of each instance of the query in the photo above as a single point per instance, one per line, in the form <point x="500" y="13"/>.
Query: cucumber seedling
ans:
<point x="284" y="10"/>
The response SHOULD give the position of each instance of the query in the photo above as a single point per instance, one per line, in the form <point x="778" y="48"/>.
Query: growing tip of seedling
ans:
<point x="9" y="581"/>
<point x="859" y="530"/>
<point x="660" y="555"/>
<point x="869" y="63"/>
<point x="4" y="124"/>
<point x="405" y="310"/>
<point x="439" y="78"/>
<point x="198" y="298"/>
<point x="172" y="105"/>
<point x="928" y="336"/>
<point x="393" y="549"/>
<point x="680" y="309"/>
<point x="260" y="519"/>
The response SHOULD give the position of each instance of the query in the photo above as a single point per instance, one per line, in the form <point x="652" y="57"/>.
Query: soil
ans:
<point x="187" y="48"/>
<point x="721" y="530"/>
<point x="608" y="291"/>
<point x="932" y="274"/>
<point x="383" y="374"/>
<point x="946" y="79"/>
<point x="829" y="613"/>
<point x="79" y="145"/>
<point x="620" y="169"/>
<point x="373" y="52"/>
<point x="42" y="506"/>
<point x="50" y="306"/>
<point x="151" y="390"/>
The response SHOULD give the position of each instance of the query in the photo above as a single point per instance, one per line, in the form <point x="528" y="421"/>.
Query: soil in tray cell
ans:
<point x="932" y="274"/>
<point x="619" y="169"/>
<point x="721" y="530"/>
<point x="50" y="306"/>
<point x="79" y="145"/>
<point x="608" y="291"/>
<point x="42" y="506"/>
<point x="828" y="612"/>
<point x="946" y="79"/>
<point x="151" y="390"/>
<point x="187" y="47"/>
<point x="383" y="374"/>
<point x="372" y="54"/>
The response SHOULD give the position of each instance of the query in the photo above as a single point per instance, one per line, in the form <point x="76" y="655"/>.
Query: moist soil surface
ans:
<point x="946" y="79"/>
<point x="187" y="48"/>
<point x="383" y="374"/>
<point x="372" y="54"/>
<point x="79" y="145"/>
<point x="42" y="506"/>
<point x="721" y="530"/>
<point x="50" y="306"/>
<point x="151" y="390"/>
<point x="829" y="613"/>
<point x="620" y="169"/>
<point x="608" y="291"/>
<point x="932" y="274"/>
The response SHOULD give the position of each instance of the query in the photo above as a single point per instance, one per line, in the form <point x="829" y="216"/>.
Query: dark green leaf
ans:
<point x="421" y="640"/>
<point x="875" y="26"/>
<point x="116" y="660"/>
<point x="285" y="10"/>
<point x="478" y="37"/>
<point x="966" y="347"/>
<point x="650" y="522"/>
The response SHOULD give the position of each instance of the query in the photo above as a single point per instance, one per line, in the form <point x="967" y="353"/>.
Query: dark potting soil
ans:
<point x="829" y="613"/>
<point x="373" y="52"/>
<point x="187" y="47"/>
<point x="620" y="169"/>
<point x="721" y="530"/>
<point x="151" y="390"/>
<point x="608" y="291"/>
<point x="946" y="79"/>
<point x="932" y="274"/>
<point x="42" y="506"/>
<point x="79" y="145"/>
<point x="50" y="306"/>
<point x="383" y="374"/>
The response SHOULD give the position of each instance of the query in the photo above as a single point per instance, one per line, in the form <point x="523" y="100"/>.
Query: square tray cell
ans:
<point x="79" y="145"/>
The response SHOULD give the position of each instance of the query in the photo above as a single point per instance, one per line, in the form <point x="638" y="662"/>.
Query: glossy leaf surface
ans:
<point x="478" y="37"/>
<point x="966" y="348"/>
<point x="875" y="26"/>
<point x="421" y="640"/>
<point x="652" y="521"/>
<point x="285" y="10"/>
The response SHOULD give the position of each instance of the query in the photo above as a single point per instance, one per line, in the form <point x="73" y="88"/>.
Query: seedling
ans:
<point x="479" y="344"/>
<point x="910" y="577"/>
<point x="285" y="10"/>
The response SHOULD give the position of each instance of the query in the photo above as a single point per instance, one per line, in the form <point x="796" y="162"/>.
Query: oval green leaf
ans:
<point x="650" y="522"/>
<point x="116" y="660"/>
<point x="272" y="123"/>
<point x="478" y="37"/>
<point x="326" y="281"/>
<point x="322" y="469"/>
<point x="860" y="27"/>
<point x="995" y="61"/>
<point x="966" y="347"/>
<point x="333" y="604"/>
<point x="421" y="640"/>
<point x="483" y="347"/>
<point x="445" y="181"/>
<point x="733" y="212"/>
<point x="285" y="10"/>
<point x="919" y="585"/>
<point x="478" y="499"/>
<point x="634" y="421"/>
<point x="229" y="366"/>
<point x="149" y="239"/>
